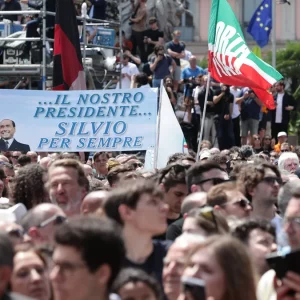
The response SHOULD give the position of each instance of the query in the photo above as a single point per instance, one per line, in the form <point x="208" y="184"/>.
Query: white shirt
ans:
<point x="278" y="118"/>
<point x="10" y="141"/>
<point x="130" y="69"/>
<point x="145" y="86"/>
<point x="235" y="109"/>
<point x="196" y="92"/>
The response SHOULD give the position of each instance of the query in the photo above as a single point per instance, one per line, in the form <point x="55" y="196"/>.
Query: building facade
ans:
<point x="287" y="19"/>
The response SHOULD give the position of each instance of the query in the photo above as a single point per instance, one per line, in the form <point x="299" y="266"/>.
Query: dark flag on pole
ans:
<point x="68" y="73"/>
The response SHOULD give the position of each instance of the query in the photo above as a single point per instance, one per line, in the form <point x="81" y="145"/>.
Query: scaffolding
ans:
<point x="43" y="70"/>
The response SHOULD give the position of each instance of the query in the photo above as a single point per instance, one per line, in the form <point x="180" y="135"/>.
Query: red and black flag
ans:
<point x="68" y="73"/>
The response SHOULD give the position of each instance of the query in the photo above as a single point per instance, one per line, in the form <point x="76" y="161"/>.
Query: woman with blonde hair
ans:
<point x="224" y="265"/>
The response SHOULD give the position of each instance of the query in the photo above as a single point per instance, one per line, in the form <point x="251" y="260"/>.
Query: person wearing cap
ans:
<point x="285" y="103"/>
<point x="153" y="36"/>
<point x="282" y="138"/>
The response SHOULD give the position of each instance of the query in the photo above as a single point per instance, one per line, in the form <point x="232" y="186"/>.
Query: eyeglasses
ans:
<point x="267" y="139"/>
<point x="292" y="221"/>
<point x="271" y="180"/>
<point x="243" y="203"/>
<point x="57" y="220"/>
<point x="16" y="233"/>
<point x="214" y="180"/>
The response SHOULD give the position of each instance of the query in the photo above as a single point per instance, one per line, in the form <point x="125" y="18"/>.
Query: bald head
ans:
<point x="88" y="170"/>
<point x="192" y="201"/>
<point x="4" y="158"/>
<point x="41" y="222"/>
<point x="39" y="214"/>
<point x="44" y="162"/>
<point x="33" y="156"/>
<point x="93" y="201"/>
<point x="193" y="61"/>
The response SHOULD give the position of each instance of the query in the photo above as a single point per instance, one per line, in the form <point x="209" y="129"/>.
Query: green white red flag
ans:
<point x="231" y="61"/>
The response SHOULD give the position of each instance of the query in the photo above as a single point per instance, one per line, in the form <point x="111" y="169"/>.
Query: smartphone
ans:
<point x="193" y="288"/>
<point x="284" y="263"/>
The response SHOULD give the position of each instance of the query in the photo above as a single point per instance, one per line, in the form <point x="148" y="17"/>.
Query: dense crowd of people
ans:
<point x="75" y="226"/>
<point x="220" y="226"/>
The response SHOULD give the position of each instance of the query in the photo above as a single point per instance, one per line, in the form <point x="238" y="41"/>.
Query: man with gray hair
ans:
<point x="288" y="161"/>
<point x="41" y="222"/>
<point x="194" y="200"/>
<point x="284" y="196"/>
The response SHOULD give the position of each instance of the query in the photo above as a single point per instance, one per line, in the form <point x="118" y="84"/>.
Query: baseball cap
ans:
<point x="281" y="133"/>
<point x="205" y="154"/>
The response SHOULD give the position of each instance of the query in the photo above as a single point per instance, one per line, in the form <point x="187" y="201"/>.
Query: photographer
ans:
<point x="138" y="25"/>
<point x="160" y="66"/>
<point x="188" y="76"/>
<point x="223" y="101"/>
<point x="250" y="113"/>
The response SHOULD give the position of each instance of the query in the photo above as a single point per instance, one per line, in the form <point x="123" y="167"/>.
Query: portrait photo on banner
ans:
<point x="91" y="120"/>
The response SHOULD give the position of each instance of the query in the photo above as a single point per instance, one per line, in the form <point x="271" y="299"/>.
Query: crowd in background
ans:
<point x="101" y="227"/>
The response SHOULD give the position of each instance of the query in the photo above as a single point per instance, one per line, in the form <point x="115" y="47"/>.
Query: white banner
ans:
<point x="56" y="121"/>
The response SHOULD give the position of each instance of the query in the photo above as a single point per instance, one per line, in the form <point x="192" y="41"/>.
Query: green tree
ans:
<point x="288" y="64"/>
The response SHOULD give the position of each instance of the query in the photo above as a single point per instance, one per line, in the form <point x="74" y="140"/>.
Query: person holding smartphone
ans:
<point x="161" y="65"/>
<point x="224" y="266"/>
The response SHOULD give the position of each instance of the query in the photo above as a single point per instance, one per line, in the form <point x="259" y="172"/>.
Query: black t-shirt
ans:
<point x="222" y="107"/>
<point x="175" y="230"/>
<point x="155" y="262"/>
<point x="12" y="5"/>
<point x="154" y="35"/>
<point x="201" y="99"/>
<point x="176" y="48"/>
<point x="163" y="236"/>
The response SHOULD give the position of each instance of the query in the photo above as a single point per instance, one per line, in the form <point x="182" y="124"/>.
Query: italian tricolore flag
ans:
<point x="230" y="60"/>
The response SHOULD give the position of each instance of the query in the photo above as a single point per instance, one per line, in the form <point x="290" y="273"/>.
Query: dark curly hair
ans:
<point x="28" y="186"/>
<point x="243" y="230"/>
<point x="3" y="178"/>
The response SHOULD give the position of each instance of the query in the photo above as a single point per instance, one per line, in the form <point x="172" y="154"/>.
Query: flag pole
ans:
<point x="203" y="116"/>
<point x="158" y="126"/>
<point x="274" y="33"/>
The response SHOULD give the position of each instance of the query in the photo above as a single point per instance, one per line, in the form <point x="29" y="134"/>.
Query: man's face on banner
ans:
<point x="7" y="130"/>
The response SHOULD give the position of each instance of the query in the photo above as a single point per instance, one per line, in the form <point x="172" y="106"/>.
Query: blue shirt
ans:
<point x="188" y="72"/>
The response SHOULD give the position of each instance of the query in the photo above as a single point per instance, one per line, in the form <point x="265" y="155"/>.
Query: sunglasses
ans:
<point x="176" y="168"/>
<point x="15" y="157"/>
<point x="285" y="150"/>
<point x="257" y="139"/>
<point x="215" y="181"/>
<point x="56" y="220"/>
<point x="16" y="233"/>
<point x="243" y="203"/>
<point x="272" y="180"/>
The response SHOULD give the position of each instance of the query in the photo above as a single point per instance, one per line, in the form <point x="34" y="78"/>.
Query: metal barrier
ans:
<point x="34" y="69"/>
